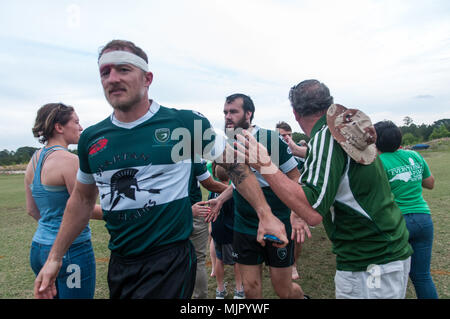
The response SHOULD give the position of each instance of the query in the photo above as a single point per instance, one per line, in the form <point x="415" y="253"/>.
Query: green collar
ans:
<point x="319" y="125"/>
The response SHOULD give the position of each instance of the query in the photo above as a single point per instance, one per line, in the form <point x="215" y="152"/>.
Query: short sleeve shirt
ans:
<point x="142" y="171"/>
<point x="405" y="171"/>
<point x="359" y="214"/>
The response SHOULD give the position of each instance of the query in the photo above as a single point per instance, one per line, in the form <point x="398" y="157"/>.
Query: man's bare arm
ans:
<point x="287" y="190"/>
<point x="247" y="185"/>
<point x="213" y="186"/>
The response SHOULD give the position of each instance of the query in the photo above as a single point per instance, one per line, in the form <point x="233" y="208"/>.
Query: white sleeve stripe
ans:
<point x="305" y="165"/>
<point x="313" y="153"/>
<point x="327" y="174"/>
<point x="288" y="165"/>
<point x="319" y="161"/>
<point x="204" y="176"/>
<point x="85" y="178"/>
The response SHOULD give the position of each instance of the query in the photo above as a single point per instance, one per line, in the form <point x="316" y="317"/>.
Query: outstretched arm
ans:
<point x="213" y="186"/>
<point x="289" y="191"/>
<point x="216" y="203"/>
<point x="247" y="185"/>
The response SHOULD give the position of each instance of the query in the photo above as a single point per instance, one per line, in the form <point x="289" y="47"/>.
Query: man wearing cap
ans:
<point x="344" y="185"/>
<point x="140" y="159"/>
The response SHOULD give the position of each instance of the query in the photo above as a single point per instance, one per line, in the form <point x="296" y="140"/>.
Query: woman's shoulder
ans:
<point x="61" y="160"/>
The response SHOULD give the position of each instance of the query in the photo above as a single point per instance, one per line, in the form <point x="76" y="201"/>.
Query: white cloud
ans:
<point x="377" y="55"/>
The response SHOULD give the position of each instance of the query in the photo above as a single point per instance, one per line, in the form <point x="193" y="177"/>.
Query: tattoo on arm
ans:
<point x="237" y="172"/>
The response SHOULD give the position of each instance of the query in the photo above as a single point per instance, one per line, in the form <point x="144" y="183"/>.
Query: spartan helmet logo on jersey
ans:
<point x="125" y="183"/>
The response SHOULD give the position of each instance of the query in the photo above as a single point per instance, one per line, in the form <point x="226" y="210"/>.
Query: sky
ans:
<point x="388" y="58"/>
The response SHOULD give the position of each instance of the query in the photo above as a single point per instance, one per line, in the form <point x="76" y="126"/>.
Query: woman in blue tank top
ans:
<point x="49" y="180"/>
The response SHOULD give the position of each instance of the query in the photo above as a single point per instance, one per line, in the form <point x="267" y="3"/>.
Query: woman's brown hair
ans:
<point x="47" y="116"/>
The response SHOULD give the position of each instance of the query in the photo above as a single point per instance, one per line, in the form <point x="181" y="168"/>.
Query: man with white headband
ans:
<point x="140" y="159"/>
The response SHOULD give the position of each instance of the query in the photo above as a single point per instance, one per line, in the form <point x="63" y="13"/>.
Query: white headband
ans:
<point x="122" y="57"/>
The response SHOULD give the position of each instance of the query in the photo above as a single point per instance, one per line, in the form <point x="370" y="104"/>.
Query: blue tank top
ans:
<point x="51" y="202"/>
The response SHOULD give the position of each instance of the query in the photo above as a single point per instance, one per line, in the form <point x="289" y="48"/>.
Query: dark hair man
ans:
<point x="238" y="114"/>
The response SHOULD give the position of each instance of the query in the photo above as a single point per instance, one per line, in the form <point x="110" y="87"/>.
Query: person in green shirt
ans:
<point x="139" y="160"/>
<point x="299" y="152"/>
<point x="408" y="173"/>
<point x="249" y="253"/>
<point x="199" y="236"/>
<point x="344" y="186"/>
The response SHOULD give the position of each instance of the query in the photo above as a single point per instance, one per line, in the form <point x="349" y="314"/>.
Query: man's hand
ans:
<point x="44" y="285"/>
<point x="200" y="210"/>
<point x="255" y="154"/>
<point x="299" y="228"/>
<point x="296" y="150"/>
<point x="271" y="225"/>
<point x="215" y="205"/>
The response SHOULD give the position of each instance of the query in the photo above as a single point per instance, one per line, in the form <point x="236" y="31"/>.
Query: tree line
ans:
<point x="21" y="156"/>
<point x="412" y="134"/>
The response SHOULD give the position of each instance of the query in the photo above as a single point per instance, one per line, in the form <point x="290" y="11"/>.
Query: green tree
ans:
<point x="439" y="132"/>
<point x="409" y="139"/>
<point x="407" y="120"/>
<point x="297" y="137"/>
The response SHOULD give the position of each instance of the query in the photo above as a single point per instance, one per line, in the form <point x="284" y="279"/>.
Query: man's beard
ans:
<point x="241" y="125"/>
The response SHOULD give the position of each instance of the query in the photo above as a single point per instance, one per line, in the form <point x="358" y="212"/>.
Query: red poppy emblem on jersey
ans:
<point x="98" y="146"/>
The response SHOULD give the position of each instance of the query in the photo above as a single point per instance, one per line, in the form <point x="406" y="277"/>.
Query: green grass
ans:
<point x="316" y="264"/>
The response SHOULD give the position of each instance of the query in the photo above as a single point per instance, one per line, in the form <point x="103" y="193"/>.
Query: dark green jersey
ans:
<point x="246" y="219"/>
<point x="199" y="174"/>
<point x="142" y="170"/>
<point x="359" y="213"/>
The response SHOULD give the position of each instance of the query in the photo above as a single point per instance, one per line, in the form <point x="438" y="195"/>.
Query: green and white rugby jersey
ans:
<point x="142" y="170"/>
<point x="199" y="174"/>
<point x="359" y="213"/>
<point x="405" y="171"/>
<point x="245" y="217"/>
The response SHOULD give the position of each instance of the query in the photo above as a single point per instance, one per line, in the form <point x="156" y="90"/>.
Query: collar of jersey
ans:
<point x="154" y="107"/>
<point x="319" y="125"/>
<point x="255" y="129"/>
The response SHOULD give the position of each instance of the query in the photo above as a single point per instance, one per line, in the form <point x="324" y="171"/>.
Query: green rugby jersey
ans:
<point x="359" y="213"/>
<point x="245" y="217"/>
<point x="405" y="171"/>
<point x="199" y="174"/>
<point x="142" y="170"/>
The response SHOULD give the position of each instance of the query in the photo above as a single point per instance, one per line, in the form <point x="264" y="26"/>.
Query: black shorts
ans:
<point x="167" y="272"/>
<point x="249" y="252"/>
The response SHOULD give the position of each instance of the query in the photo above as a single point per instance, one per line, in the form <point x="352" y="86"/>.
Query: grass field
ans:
<point x="316" y="264"/>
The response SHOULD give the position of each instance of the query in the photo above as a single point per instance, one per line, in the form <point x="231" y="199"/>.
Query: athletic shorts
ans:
<point x="387" y="281"/>
<point x="249" y="252"/>
<point x="166" y="273"/>
<point x="225" y="253"/>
